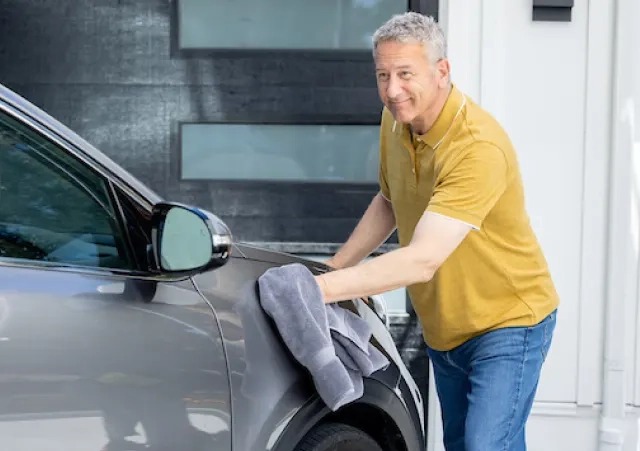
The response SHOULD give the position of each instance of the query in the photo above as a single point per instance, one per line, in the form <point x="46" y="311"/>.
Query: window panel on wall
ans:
<point x="282" y="24"/>
<point x="280" y="152"/>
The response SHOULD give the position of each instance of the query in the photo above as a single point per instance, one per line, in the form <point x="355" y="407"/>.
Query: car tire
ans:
<point x="337" y="437"/>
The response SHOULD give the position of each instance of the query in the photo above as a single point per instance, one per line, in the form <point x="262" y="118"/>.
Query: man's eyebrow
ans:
<point x="404" y="66"/>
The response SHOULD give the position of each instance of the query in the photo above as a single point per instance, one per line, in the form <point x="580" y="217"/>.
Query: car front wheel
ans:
<point x="337" y="437"/>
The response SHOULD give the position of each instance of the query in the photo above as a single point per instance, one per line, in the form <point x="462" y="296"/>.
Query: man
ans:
<point x="451" y="185"/>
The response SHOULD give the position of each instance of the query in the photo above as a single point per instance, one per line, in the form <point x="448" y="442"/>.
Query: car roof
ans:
<point x="62" y="131"/>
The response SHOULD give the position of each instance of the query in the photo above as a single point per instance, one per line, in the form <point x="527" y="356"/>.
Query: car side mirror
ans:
<point x="187" y="239"/>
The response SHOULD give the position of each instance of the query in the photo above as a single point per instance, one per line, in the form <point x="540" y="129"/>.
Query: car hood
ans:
<point x="278" y="258"/>
<point x="275" y="258"/>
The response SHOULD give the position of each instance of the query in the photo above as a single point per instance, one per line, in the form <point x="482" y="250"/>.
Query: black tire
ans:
<point x="337" y="437"/>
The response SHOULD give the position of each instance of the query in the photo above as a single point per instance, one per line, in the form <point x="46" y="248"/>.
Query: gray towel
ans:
<point x="331" y="342"/>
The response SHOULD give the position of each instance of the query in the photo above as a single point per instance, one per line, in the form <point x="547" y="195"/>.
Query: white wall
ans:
<point x="633" y="337"/>
<point x="550" y="85"/>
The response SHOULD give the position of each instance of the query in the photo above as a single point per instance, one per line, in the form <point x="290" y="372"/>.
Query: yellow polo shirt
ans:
<point x="465" y="167"/>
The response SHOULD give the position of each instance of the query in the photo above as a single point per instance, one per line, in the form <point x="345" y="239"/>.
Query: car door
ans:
<point x="94" y="352"/>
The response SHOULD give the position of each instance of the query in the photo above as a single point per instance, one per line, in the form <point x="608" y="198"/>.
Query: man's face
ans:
<point x="408" y="83"/>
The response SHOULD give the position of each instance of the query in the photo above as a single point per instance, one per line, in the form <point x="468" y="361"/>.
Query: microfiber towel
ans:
<point x="331" y="342"/>
<point x="351" y="335"/>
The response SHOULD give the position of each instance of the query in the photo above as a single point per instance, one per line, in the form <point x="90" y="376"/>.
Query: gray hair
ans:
<point x="414" y="27"/>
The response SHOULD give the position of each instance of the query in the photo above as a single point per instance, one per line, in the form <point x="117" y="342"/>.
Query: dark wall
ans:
<point x="110" y="70"/>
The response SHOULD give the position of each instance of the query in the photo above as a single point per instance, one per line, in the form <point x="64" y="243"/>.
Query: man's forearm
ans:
<point x="376" y="225"/>
<point x="434" y="239"/>
<point x="395" y="269"/>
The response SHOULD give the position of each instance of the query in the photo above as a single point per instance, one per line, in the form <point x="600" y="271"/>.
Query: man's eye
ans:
<point x="405" y="75"/>
<point x="382" y="76"/>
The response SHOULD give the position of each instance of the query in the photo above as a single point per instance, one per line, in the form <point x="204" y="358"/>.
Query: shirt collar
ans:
<point x="452" y="107"/>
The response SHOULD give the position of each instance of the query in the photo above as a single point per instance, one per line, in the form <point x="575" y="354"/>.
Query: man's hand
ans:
<point x="434" y="239"/>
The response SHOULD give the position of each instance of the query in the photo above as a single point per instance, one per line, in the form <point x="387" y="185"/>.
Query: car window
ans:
<point x="53" y="208"/>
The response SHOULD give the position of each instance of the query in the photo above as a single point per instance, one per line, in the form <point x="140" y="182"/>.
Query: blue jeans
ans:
<point x="486" y="386"/>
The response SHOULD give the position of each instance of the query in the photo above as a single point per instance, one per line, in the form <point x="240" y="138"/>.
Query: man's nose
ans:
<point x="394" y="88"/>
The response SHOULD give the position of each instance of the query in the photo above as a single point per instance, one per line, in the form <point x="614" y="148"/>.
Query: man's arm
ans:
<point x="376" y="225"/>
<point x="434" y="239"/>
<point x="460" y="202"/>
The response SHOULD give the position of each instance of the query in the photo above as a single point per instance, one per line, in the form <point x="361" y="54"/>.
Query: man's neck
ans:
<point x="423" y="123"/>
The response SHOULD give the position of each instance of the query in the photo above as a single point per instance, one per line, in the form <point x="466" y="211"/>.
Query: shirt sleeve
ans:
<point x="382" y="172"/>
<point x="382" y="181"/>
<point x="468" y="186"/>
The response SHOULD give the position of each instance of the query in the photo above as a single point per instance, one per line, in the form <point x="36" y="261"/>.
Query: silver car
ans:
<point x="128" y="322"/>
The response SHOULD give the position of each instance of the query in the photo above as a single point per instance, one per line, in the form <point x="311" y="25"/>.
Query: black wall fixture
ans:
<point x="426" y="7"/>
<point x="552" y="10"/>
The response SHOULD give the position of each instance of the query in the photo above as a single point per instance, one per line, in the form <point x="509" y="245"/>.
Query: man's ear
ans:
<point x="443" y="70"/>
